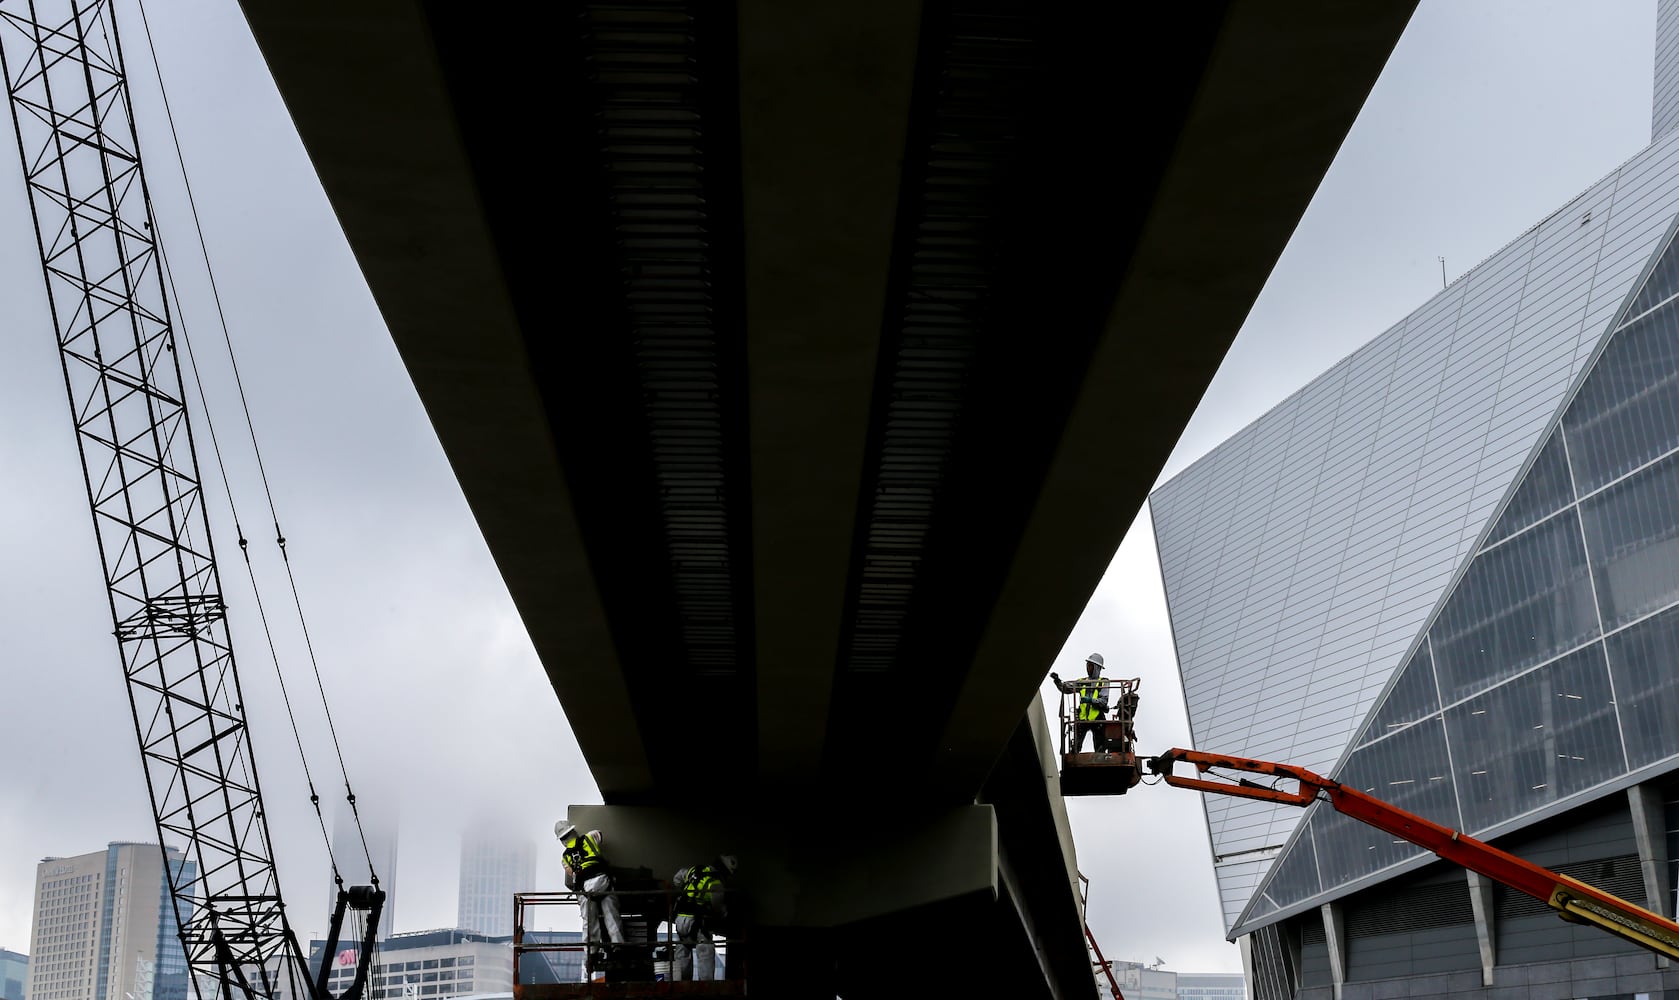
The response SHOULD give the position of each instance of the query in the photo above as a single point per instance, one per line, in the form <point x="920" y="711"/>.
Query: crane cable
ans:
<point x="250" y="426"/>
<point x="180" y="324"/>
<point x="250" y="571"/>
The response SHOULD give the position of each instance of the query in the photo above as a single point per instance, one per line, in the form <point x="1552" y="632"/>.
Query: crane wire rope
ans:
<point x="244" y="550"/>
<point x="250" y="426"/>
<point x="184" y="335"/>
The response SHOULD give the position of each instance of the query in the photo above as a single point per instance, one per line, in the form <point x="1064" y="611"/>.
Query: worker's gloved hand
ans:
<point x="1055" y="677"/>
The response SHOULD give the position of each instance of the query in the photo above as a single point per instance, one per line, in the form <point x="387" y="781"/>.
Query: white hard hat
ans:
<point x="564" y="830"/>
<point x="1095" y="658"/>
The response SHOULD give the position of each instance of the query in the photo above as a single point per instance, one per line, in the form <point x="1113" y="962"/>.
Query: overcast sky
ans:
<point x="1488" y="116"/>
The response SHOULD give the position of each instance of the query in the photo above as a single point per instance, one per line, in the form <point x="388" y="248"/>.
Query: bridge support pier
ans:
<point x="873" y="867"/>
<point x="815" y="911"/>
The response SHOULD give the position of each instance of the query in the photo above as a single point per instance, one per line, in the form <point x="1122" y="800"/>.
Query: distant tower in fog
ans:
<point x="347" y="851"/>
<point x="493" y="867"/>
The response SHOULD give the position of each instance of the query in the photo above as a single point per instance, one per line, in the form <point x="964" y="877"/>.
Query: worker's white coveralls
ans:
<point x="600" y="911"/>
<point x="601" y="923"/>
<point x="694" y="943"/>
<point x="699" y="902"/>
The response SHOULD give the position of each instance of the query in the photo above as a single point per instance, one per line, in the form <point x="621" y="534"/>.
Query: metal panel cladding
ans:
<point x="1544" y="679"/>
<point x="1303" y="556"/>
<point x="1664" y="100"/>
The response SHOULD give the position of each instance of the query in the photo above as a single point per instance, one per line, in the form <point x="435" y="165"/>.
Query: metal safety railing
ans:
<point x="647" y="953"/>
<point x="1101" y="712"/>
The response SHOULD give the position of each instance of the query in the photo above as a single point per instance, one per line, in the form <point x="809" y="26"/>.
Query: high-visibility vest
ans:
<point x="698" y="893"/>
<point x="1090" y="687"/>
<point x="586" y="858"/>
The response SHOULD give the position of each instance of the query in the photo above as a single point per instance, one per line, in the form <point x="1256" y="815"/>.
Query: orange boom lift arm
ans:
<point x="1572" y="899"/>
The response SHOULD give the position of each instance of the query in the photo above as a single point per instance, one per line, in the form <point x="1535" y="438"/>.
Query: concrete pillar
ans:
<point x="797" y="881"/>
<point x="1649" y="827"/>
<point x="1486" y="935"/>
<point x="1335" y="936"/>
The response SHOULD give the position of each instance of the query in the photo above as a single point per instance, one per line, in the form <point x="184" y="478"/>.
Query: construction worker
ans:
<point x="586" y="873"/>
<point x="1092" y="704"/>
<point x="699" y="908"/>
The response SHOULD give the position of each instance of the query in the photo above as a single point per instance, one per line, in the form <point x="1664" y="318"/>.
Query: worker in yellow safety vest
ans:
<point x="1092" y="701"/>
<point x="587" y="874"/>
<point x="700" y="906"/>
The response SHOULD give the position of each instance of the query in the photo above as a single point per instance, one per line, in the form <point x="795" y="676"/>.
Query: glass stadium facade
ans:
<point x="1548" y="671"/>
<point x="1307" y="558"/>
<point x="1447" y="572"/>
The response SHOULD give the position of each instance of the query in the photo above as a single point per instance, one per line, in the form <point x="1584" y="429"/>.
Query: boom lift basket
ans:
<point x="1110" y="766"/>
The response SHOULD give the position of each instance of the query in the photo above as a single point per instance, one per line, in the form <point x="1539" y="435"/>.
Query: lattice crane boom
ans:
<point x="79" y="148"/>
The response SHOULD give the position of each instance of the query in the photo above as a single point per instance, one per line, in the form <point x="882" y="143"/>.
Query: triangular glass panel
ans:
<point x="1413" y="697"/>
<point x="1627" y="411"/>
<point x="1516" y="606"/>
<point x="1410" y="769"/>
<point x="1295" y="876"/>
<point x="1662" y="283"/>
<point x="1544" y="491"/>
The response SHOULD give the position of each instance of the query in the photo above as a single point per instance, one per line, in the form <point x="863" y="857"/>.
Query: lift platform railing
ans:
<point x="646" y="955"/>
<point x="1099" y="736"/>
<point x="1101" y="713"/>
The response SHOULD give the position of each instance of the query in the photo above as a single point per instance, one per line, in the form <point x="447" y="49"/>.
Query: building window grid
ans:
<point x="1602" y="637"/>
<point x="1427" y="316"/>
<point x="1575" y="505"/>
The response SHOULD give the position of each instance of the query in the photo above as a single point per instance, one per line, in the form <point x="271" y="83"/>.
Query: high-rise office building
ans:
<point x="493" y="868"/>
<point x="14" y="974"/>
<point x="352" y="857"/>
<point x="1447" y="572"/>
<point x="105" y="928"/>
<point x="426" y="965"/>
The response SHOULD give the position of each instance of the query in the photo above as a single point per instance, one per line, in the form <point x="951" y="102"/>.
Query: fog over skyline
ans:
<point x="1487" y="117"/>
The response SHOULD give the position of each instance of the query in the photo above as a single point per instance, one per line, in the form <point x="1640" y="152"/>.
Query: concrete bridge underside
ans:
<point x="803" y="365"/>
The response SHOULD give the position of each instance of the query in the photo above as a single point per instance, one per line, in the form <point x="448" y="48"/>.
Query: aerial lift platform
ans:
<point x="1110" y="766"/>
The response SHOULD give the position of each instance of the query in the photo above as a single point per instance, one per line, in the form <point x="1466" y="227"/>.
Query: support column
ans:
<point x="1335" y="936"/>
<point x="1649" y="827"/>
<point x="1486" y="935"/>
